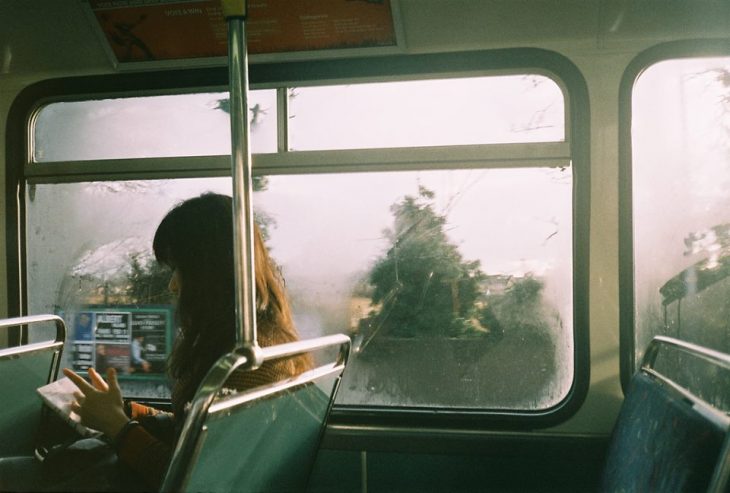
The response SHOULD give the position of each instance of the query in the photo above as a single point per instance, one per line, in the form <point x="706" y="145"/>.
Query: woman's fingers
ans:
<point x="84" y="386"/>
<point x="111" y="376"/>
<point x="98" y="382"/>
<point x="99" y="404"/>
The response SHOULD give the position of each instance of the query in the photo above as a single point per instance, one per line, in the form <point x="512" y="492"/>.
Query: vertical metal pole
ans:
<point x="243" y="240"/>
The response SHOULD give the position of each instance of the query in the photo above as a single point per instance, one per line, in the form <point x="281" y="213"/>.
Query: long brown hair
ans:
<point x="196" y="239"/>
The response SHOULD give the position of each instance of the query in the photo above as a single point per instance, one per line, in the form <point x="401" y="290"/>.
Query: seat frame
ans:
<point x="19" y="438"/>
<point x="188" y="445"/>
<point x="718" y="420"/>
<point x="55" y="346"/>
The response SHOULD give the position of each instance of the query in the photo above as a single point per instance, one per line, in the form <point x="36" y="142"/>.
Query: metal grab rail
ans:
<point x="184" y="450"/>
<point x="50" y="345"/>
<point x="243" y="238"/>
<point x="717" y="416"/>
<point x="711" y="355"/>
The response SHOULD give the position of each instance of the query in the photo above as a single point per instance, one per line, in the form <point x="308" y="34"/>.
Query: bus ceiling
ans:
<point x="104" y="35"/>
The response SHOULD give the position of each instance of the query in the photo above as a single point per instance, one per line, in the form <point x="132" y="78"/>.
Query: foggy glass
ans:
<point x="681" y="202"/>
<point x="80" y="238"/>
<point x="705" y="378"/>
<point x="327" y="232"/>
<point x="153" y="126"/>
<point x="479" y="110"/>
<point x="469" y="268"/>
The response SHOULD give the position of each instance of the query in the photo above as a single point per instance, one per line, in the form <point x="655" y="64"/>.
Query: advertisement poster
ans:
<point x="149" y="342"/>
<point x="135" y="341"/>
<point x="84" y="326"/>
<point x="83" y="356"/>
<point x="112" y="327"/>
<point x="142" y="30"/>
<point x="112" y="356"/>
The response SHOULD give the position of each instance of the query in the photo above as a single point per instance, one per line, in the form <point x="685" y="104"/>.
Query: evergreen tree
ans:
<point x="520" y="310"/>
<point x="147" y="281"/>
<point x="422" y="284"/>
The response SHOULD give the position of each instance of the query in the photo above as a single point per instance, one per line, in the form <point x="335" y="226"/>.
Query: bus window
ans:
<point x="450" y="302"/>
<point x="680" y="166"/>
<point x="478" y="110"/>
<point x="441" y="240"/>
<point x="172" y="125"/>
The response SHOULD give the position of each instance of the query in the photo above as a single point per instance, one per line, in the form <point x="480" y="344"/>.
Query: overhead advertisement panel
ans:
<point x="159" y="30"/>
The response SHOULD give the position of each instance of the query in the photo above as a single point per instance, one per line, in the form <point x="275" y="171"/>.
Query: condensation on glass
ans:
<point x="144" y="127"/>
<point x="450" y="300"/>
<point x="455" y="285"/>
<point x="478" y="110"/>
<point x="681" y="202"/>
<point x="704" y="377"/>
<point x="89" y="251"/>
<point x="356" y="260"/>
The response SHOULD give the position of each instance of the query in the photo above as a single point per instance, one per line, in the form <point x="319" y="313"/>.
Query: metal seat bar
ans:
<point x="50" y="345"/>
<point x="717" y="416"/>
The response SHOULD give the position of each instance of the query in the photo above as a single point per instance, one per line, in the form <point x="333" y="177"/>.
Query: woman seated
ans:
<point x="195" y="239"/>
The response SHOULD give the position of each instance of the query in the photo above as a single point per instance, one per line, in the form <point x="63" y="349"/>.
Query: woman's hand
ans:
<point x="100" y="405"/>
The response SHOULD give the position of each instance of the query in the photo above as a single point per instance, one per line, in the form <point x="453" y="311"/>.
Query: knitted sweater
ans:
<point x="150" y="456"/>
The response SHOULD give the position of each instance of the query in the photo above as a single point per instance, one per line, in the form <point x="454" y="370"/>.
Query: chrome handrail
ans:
<point x="185" y="447"/>
<point x="237" y="398"/>
<point x="707" y="354"/>
<point x="715" y="415"/>
<point x="50" y="345"/>
<point x="308" y="345"/>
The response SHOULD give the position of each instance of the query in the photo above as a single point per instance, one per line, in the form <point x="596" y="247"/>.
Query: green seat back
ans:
<point x="263" y="439"/>
<point x="22" y="370"/>
<point x="267" y="444"/>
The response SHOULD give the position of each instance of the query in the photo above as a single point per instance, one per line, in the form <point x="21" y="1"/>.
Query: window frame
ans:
<point x="574" y="149"/>
<point x="675" y="50"/>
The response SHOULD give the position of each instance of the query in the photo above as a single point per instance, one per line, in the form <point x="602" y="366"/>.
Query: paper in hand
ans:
<point x="58" y="396"/>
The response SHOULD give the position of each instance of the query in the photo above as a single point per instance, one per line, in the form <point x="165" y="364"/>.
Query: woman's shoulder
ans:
<point x="270" y="372"/>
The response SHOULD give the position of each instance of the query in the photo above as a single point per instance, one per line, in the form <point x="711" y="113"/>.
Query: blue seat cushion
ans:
<point x="660" y="443"/>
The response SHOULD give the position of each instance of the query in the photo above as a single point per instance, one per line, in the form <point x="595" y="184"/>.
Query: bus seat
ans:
<point x="22" y="370"/>
<point x="263" y="439"/>
<point x="666" y="438"/>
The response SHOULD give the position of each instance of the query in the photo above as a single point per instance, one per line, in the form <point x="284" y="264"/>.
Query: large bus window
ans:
<point x="408" y="263"/>
<point x="450" y="264"/>
<point x="450" y="302"/>
<point x="680" y="141"/>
